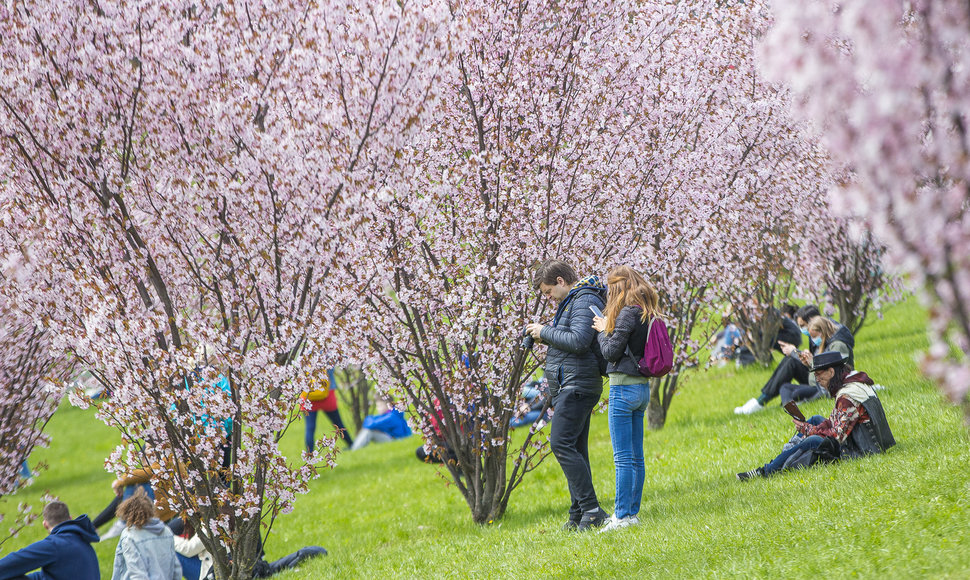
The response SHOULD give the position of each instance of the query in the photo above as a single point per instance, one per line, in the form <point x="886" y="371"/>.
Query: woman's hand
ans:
<point x="599" y="323"/>
<point x="801" y="426"/>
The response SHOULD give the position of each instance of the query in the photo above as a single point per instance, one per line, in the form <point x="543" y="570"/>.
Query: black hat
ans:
<point x="827" y="360"/>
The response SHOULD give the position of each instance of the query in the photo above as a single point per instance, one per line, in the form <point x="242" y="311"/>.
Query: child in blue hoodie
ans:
<point x="65" y="554"/>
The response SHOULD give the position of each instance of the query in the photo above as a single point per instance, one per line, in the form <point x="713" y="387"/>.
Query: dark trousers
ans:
<point x="264" y="569"/>
<point x="569" y="439"/>
<point x="799" y="393"/>
<point x="790" y="369"/>
<point x="311" y="428"/>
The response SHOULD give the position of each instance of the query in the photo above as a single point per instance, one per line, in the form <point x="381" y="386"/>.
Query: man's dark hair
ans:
<point x="55" y="513"/>
<point x="789" y="310"/>
<point x="807" y="312"/>
<point x="550" y="270"/>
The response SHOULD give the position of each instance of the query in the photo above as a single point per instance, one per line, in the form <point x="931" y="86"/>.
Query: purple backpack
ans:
<point x="658" y="353"/>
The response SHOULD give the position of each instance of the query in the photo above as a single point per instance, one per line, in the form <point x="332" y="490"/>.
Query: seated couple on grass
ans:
<point x="792" y="379"/>
<point x="856" y="427"/>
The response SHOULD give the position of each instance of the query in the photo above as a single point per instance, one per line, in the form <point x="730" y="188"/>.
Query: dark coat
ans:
<point x="843" y="335"/>
<point x="628" y="331"/>
<point x="570" y="361"/>
<point x="65" y="554"/>
<point x="873" y="436"/>
<point x="789" y="332"/>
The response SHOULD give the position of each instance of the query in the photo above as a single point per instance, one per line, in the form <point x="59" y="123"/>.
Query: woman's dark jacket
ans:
<point x="570" y="361"/>
<point x="627" y="331"/>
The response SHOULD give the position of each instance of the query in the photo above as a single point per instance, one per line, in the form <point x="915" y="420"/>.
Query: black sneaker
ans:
<point x="593" y="519"/>
<point x="759" y="472"/>
<point x="570" y="526"/>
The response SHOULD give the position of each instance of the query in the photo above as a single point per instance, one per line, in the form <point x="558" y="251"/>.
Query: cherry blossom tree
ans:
<point x="30" y="374"/>
<point x="849" y="274"/>
<point x="591" y="132"/>
<point x="509" y="172"/>
<point x="886" y="83"/>
<point x="178" y="171"/>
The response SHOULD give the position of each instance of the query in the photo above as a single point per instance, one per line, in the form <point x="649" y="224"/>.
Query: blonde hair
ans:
<point x="823" y="326"/>
<point x="628" y="288"/>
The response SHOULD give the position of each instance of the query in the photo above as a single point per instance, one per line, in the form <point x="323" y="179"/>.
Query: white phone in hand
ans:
<point x="596" y="311"/>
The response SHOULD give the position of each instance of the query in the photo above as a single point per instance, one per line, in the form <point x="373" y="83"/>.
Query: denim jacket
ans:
<point x="147" y="552"/>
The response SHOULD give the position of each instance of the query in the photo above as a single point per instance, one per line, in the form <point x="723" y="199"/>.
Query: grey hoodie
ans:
<point x="147" y="552"/>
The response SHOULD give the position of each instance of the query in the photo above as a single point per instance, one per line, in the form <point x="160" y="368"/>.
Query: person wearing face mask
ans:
<point x="856" y="427"/>
<point x="824" y="336"/>
<point x="790" y="369"/>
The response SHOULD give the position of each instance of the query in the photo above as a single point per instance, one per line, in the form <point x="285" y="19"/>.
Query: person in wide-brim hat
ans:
<point x="857" y="425"/>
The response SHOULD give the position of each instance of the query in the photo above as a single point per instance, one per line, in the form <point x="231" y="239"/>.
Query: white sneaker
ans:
<point x="752" y="406"/>
<point x="114" y="531"/>
<point x="615" y="523"/>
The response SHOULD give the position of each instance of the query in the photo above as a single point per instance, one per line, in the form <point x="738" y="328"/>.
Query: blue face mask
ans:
<point x="817" y="341"/>
<point x="804" y="330"/>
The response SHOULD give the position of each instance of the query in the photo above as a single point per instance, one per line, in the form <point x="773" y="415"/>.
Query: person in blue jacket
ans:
<point x="66" y="553"/>
<point x="386" y="425"/>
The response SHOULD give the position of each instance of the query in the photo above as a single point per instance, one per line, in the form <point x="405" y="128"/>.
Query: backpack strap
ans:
<point x="629" y="352"/>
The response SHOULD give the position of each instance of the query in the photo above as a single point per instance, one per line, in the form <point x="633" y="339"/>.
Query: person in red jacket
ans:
<point x="328" y="405"/>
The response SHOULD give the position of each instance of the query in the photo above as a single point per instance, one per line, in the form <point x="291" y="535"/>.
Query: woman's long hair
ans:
<point x="628" y="288"/>
<point x="824" y="327"/>
<point x="137" y="510"/>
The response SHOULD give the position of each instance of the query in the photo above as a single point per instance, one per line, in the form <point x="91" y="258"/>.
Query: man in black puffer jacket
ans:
<point x="575" y="383"/>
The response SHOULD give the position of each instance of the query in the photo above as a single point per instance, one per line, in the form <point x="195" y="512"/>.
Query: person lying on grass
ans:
<point x="856" y="427"/>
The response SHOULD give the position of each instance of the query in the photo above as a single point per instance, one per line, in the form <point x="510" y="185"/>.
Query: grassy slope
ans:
<point x="382" y="513"/>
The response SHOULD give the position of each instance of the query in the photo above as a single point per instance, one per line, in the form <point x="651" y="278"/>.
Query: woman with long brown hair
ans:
<point x="631" y="306"/>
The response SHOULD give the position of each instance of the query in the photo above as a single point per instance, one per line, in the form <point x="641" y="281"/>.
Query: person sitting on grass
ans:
<point x="196" y="560"/>
<point x="530" y="407"/>
<point x="146" y="548"/>
<point x="388" y="424"/>
<point x="856" y="427"/>
<point x="824" y="336"/>
<point x="66" y="553"/>
<point x="794" y="366"/>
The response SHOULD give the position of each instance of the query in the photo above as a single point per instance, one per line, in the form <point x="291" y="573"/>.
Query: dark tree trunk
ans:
<point x="662" y="392"/>
<point x="355" y="393"/>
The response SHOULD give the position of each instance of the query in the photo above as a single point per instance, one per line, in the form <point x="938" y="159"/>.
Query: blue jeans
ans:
<point x="807" y="443"/>
<point x="627" y="405"/>
<point x="191" y="567"/>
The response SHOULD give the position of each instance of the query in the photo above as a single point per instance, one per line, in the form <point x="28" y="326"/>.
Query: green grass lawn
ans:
<point x="381" y="513"/>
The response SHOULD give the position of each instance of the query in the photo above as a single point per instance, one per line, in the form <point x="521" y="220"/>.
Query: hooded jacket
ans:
<point x="65" y="554"/>
<point x="147" y="552"/>
<point x="571" y="361"/>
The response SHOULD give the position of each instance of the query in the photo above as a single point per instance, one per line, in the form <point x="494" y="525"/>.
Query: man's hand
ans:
<point x="786" y="347"/>
<point x="535" y="330"/>
<point x="599" y="323"/>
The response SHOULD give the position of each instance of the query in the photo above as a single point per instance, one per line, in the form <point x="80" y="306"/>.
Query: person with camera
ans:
<point x="575" y="383"/>
<point x="631" y="306"/>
